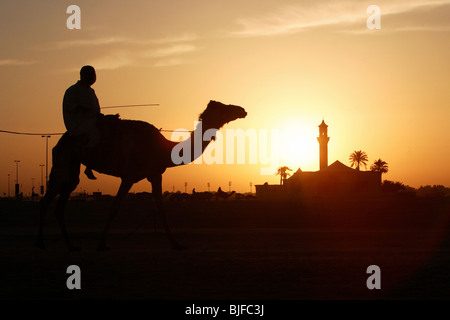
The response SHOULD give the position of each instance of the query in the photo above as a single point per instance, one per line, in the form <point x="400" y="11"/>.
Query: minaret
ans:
<point x="323" y="143"/>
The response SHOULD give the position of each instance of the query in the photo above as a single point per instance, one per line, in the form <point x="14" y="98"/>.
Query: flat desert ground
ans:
<point x="305" y="249"/>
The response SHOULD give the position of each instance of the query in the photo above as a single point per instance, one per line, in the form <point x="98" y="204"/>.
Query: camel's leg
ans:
<point x="125" y="186"/>
<point x="59" y="212"/>
<point x="43" y="206"/>
<point x="64" y="175"/>
<point x="157" y="191"/>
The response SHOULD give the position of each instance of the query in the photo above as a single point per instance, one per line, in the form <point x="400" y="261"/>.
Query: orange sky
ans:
<point x="288" y="63"/>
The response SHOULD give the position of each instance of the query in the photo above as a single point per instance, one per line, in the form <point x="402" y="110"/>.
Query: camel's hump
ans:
<point x="138" y="125"/>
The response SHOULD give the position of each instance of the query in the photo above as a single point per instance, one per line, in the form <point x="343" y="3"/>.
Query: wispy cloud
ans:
<point x="169" y="62"/>
<point x="157" y="52"/>
<point x="14" y="62"/>
<point x="172" y="50"/>
<point x="156" y="56"/>
<point x="104" y="41"/>
<point x="115" y="60"/>
<point x="186" y="37"/>
<point x="342" y="15"/>
<point x="67" y="44"/>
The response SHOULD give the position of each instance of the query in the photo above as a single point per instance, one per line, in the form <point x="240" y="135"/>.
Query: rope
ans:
<point x="109" y="107"/>
<point x="32" y="134"/>
<point x="60" y="134"/>
<point x="169" y="130"/>
<point x="132" y="106"/>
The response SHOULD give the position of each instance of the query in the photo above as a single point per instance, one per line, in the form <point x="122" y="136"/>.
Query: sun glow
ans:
<point x="299" y="147"/>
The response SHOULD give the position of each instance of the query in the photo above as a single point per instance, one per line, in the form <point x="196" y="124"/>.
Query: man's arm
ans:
<point x="70" y="103"/>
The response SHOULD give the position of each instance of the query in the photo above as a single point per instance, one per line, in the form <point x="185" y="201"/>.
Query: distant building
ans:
<point x="323" y="143"/>
<point x="335" y="179"/>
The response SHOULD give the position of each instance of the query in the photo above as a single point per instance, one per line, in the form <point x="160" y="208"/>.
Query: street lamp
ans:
<point x="17" y="177"/>
<point x="46" y="160"/>
<point x="42" y="178"/>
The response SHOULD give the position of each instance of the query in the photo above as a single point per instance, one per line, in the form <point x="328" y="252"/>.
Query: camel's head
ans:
<point x="218" y="114"/>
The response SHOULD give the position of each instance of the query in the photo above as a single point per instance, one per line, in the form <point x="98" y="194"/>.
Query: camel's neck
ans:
<point x="191" y="149"/>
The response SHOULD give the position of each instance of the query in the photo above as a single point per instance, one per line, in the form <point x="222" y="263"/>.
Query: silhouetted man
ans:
<point x="81" y="111"/>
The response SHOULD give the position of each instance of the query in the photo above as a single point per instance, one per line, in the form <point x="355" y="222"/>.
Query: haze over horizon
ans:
<point x="289" y="64"/>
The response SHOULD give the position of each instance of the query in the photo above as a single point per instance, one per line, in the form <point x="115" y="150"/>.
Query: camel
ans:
<point x="201" y="196"/>
<point x="223" y="195"/>
<point x="136" y="151"/>
<point x="178" y="196"/>
<point x="240" y="196"/>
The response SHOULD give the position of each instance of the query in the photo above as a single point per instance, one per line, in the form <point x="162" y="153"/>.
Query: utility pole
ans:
<point x="9" y="194"/>
<point x="229" y="186"/>
<point x="185" y="187"/>
<point x="32" y="188"/>
<point x="251" y="189"/>
<point x="208" y="186"/>
<point x="46" y="161"/>
<point x="17" y="178"/>
<point x="42" y="178"/>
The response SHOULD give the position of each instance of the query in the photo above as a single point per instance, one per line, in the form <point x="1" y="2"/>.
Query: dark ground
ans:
<point x="314" y="249"/>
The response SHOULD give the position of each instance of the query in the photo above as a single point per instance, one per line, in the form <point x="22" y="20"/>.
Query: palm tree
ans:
<point x="283" y="174"/>
<point x="379" y="166"/>
<point x="357" y="158"/>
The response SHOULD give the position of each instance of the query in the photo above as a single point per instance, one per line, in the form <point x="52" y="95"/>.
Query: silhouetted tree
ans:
<point x="435" y="191"/>
<point x="379" y="166"/>
<point x="391" y="186"/>
<point x="283" y="174"/>
<point x="357" y="158"/>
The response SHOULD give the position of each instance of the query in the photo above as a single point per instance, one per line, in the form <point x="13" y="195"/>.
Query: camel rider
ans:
<point x="81" y="111"/>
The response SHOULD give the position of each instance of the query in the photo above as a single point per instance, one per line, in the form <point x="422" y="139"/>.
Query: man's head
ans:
<point x="87" y="75"/>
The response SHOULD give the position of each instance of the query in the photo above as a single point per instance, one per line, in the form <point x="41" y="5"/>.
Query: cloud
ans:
<point x="112" y="61"/>
<point x="104" y="41"/>
<point x="169" y="62"/>
<point x="14" y="62"/>
<point x="159" y="57"/>
<point x="167" y="51"/>
<point x="187" y="37"/>
<point x="67" y="44"/>
<point x="172" y="50"/>
<point x="341" y="16"/>
<point x="159" y="52"/>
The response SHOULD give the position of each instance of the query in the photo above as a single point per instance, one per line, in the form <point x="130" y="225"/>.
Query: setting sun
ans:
<point x="299" y="147"/>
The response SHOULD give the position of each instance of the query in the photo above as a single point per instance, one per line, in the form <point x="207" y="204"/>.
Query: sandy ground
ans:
<point x="310" y="249"/>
